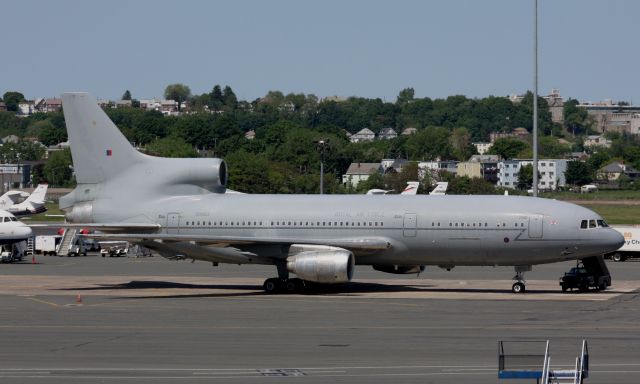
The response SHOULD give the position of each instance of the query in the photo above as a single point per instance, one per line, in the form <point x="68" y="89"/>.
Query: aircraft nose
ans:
<point x="24" y="231"/>
<point x="614" y="240"/>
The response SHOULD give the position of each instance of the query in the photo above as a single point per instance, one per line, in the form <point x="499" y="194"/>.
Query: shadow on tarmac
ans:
<point x="348" y="289"/>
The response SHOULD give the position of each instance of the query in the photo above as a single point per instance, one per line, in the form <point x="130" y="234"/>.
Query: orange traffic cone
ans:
<point x="78" y="299"/>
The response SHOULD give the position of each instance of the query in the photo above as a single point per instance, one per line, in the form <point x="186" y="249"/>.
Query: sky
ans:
<point x="587" y="48"/>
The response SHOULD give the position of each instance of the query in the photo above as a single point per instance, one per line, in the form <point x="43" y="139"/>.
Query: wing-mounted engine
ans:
<point x="400" y="269"/>
<point x="321" y="264"/>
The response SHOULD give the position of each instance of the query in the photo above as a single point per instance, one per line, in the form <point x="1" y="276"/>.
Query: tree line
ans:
<point x="283" y="157"/>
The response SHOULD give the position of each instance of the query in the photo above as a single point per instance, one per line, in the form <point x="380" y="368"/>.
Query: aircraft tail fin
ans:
<point x="99" y="150"/>
<point x="38" y="194"/>
<point x="440" y="189"/>
<point x="411" y="188"/>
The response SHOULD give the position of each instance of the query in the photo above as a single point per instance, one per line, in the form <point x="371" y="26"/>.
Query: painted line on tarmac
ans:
<point x="50" y="303"/>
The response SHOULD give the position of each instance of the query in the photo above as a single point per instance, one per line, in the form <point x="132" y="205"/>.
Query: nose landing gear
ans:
<point x="519" y="286"/>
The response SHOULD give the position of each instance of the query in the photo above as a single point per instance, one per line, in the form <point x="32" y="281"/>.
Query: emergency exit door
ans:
<point x="535" y="226"/>
<point x="173" y="223"/>
<point x="410" y="224"/>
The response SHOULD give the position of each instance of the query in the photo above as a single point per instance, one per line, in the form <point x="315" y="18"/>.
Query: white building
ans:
<point x="482" y="148"/>
<point x="435" y="167"/>
<point x="387" y="134"/>
<point x="597" y="141"/>
<point x="551" y="173"/>
<point x="365" y="134"/>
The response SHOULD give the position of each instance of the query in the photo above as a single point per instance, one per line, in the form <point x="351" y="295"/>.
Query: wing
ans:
<point x="106" y="227"/>
<point x="353" y="244"/>
<point x="238" y="249"/>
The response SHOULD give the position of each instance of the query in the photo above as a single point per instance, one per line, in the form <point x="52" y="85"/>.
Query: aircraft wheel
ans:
<point x="617" y="257"/>
<point x="290" y="286"/>
<point x="518" y="287"/>
<point x="294" y="285"/>
<point x="271" y="285"/>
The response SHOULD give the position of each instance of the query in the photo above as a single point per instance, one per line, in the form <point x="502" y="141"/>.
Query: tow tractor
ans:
<point x="590" y="273"/>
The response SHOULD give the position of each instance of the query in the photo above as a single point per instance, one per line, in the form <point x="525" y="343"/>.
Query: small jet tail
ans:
<point x="99" y="150"/>
<point x="440" y="189"/>
<point x="411" y="189"/>
<point x="38" y="195"/>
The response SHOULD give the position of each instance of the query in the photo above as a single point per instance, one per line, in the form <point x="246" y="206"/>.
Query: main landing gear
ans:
<point x="519" y="285"/>
<point x="278" y="285"/>
<point x="282" y="283"/>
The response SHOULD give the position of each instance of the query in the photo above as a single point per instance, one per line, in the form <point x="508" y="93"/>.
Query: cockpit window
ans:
<point x="6" y="219"/>
<point x="14" y="219"/>
<point x="585" y="224"/>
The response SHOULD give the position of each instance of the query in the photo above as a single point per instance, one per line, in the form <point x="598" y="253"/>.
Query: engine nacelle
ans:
<point x="400" y="269"/>
<point x="328" y="266"/>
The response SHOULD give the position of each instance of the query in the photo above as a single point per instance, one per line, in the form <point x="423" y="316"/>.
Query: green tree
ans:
<point x="397" y="181"/>
<point x="229" y="98"/>
<point x="126" y="95"/>
<point x="171" y="147"/>
<point x="374" y="181"/>
<point x="51" y="135"/>
<point x="10" y="124"/>
<point x="11" y="100"/>
<point x="58" y="169"/>
<point x="508" y="148"/>
<point x="525" y="177"/>
<point x="178" y="92"/>
<point x="575" y="119"/>
<point x="405" y="96"/>
<point x="578" y="173"/>
<point x="216" y="99"/>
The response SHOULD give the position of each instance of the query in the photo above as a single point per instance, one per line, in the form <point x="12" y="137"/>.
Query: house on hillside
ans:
<point x="49" y="105"/>
<point x="358" y="172"/>
<point x="365" y="134"/>
<point x="387" y="134"/>
<point x="593" y="141"/>
<point x="409" y="131"/>
<point x="613" y="171"/>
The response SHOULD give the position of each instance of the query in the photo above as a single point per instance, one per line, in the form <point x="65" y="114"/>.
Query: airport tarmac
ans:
<point x="153" y="320"/>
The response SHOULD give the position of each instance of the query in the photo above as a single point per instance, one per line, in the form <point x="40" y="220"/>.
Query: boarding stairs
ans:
<point x="524" y="364"/>
<point x="67" y="239"/>
<point x="31" y="246"/>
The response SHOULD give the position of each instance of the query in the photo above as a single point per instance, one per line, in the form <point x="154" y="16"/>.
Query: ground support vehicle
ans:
<point x="631" y="247"/>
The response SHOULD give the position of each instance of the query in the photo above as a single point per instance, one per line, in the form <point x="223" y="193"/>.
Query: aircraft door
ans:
<point x="173" y="223"/>
<point x="535" y="226"/>
<point x="410" y="224"/>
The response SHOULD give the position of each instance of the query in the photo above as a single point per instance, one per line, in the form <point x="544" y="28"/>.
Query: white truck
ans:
<point x="631" y="246"/>
<point x="47" y="245"/>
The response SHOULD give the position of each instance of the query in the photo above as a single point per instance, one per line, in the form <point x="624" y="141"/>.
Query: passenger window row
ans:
<point x="471" y="225"/>
<point x="194" y="223"/>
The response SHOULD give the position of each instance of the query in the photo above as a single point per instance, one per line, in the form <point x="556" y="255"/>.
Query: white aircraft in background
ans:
<point x="33" y="204"/>
<point x="11" y="229"/>
<point x="10" y="198"/>
<point x="412" y="189"/>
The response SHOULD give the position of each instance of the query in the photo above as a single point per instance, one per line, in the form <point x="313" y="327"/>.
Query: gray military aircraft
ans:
<point x="178" y="208"/>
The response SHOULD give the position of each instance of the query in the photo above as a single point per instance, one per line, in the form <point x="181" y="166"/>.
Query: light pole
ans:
<point x="321" y="146"/>
<point x="535" y="98"/>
